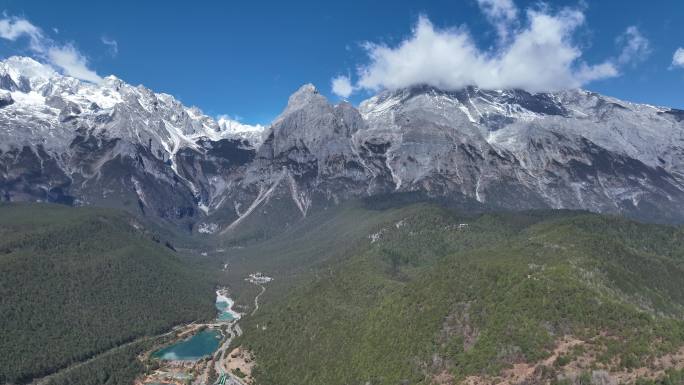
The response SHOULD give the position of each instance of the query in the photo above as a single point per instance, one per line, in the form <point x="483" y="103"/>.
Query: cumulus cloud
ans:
<point x="341" y="86"/>
<point x="63" y="56"/>
<point x="112" y="45"/>
<point x="535" y="51"/>
<point x="540" y="57"/>
<point x="678" y="58"/>
<point x="636" y="46"/>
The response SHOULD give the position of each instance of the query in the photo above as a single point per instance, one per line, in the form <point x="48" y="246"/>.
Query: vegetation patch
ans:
<point x="77" y="282"/>
<point x="443" y="297"/>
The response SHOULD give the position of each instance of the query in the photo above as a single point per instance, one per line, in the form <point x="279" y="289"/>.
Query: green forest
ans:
<point x="386" y="294"/>
<point x="438" y="292"/>
<point x="77" y="282"/>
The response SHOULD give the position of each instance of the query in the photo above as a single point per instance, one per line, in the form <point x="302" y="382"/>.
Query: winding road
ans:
<point x="219" y="367"/>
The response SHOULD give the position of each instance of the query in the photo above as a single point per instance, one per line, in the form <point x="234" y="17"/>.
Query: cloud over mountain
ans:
<point x="63" y="56"/>
<point x="535" y="51"/>
<point x="341" y="86"/>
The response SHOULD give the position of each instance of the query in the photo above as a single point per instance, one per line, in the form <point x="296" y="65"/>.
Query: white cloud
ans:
<point x="502" y="14"/>
<point x="72" y="62"/>
<point x="12" y="28"/>
<point x="540" y="57"/>
<point x="342" y="87"/>
<point x="112" y="44"/>
<point x="636" y="46"/>
<point x="63" y="56"/>
<point x="535" y="52"/>
<point x="587" y="74"/>
<point x="678" y="58"/>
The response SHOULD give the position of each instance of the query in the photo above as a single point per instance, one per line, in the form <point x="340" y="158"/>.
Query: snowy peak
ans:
<point x="132" y="112"/>
<point x="82" y="143"/>
<point x="505" y="118"/>
<point x="477" y="101"/>
<point x="25" y="73"/>
<point x="254" y="134"/>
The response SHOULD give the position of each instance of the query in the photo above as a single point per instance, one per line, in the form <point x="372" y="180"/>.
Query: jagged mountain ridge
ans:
<point x="75" y="142"/>
<point x="509" y="149"/>
<point x="82" y="143"/>
<point x="571" y="149"/>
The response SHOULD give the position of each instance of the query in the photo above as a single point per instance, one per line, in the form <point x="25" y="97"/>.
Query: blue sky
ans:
<point x="245" y="58"/>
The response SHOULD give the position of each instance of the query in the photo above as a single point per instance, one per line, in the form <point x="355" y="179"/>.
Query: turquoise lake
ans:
<point x="200" y="345"/>
<point x="224" y="313"/>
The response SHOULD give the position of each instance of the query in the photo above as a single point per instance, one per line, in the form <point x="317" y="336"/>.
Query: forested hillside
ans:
<point x="76" y="282"/>
<point x="439" y="297"/>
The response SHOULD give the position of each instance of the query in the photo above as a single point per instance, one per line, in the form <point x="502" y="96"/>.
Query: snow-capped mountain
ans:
<point x="116" y="144"/>
<point x="233" y="128"/>
<point x="34" y="89"/>
<point x="571" y="149"/>
<point x="72" y="141"/>
<point x="508" y="149"/>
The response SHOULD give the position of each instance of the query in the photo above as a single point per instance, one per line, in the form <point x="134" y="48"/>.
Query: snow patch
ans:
<point x="207" y="228"/>
<point x="374" y="237"/>
<point x="263" y="195"/>
<point x="301" y="199"/>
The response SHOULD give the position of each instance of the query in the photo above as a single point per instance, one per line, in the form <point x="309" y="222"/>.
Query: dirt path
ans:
<point x="256" y="300"/>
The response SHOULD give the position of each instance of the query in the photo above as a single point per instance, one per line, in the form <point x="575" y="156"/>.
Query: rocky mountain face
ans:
<point x="571" y="149"/>
<point x="78" y="143"/>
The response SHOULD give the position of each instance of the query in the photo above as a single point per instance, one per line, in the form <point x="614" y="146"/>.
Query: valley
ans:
<point x="409" y="291"/>
<point x="421" y="236"/>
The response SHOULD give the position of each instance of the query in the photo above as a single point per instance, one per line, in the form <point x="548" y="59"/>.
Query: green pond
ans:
<point x="200" y="345"/>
